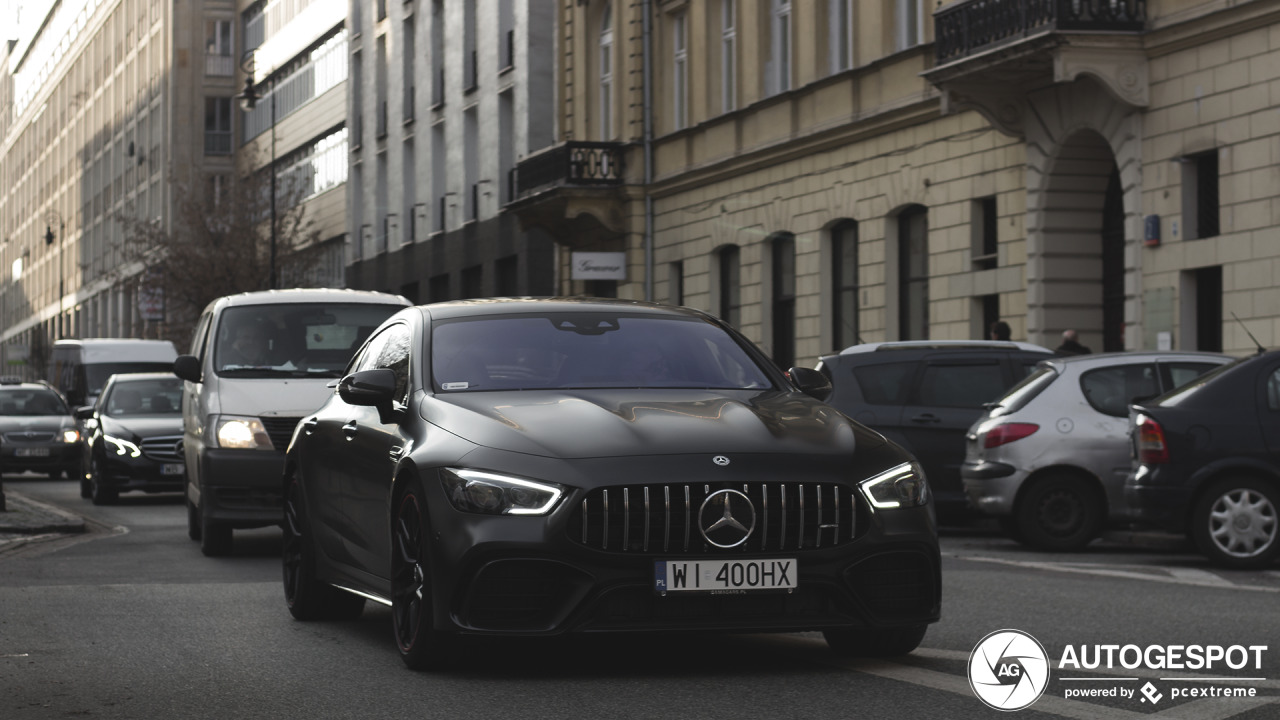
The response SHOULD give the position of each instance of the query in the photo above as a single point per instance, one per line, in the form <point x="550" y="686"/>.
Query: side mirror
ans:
<point x="810" y="382"/>
<point x="187" y="367"/>
<point x="84" y="413"/>
<point x="372" y="388"/>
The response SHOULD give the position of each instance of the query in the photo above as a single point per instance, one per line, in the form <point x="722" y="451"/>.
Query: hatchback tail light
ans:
<point x="1152" y="448"/>
<point x="1007" y="433"/>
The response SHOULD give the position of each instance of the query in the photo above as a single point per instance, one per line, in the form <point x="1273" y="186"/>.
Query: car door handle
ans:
<point x="309" y="425"/>
<point x="926" y="419"/>
<point x="349" y="430"/>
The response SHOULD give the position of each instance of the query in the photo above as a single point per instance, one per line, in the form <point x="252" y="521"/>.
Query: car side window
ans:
<point x="1181" y="373"/>
<point x="884" y="384"/>
<point x="967" y="386"/>
<point x="1109" y="390"/>
<point x="394" y="354"/>
<point x="367" y="359"/>
<point x="200" y="338"/>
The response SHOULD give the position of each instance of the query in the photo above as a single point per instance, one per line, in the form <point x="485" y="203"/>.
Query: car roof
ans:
<point x="943" y="345"/>
<point x="309" y="295"/>
<point x="542" y="305"/>
<point x="1113" y="358"/>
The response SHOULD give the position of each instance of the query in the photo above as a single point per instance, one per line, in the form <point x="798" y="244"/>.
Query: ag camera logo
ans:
<point x="1008" y="670"/>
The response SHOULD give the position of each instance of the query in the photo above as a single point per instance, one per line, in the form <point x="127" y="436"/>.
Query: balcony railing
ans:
<point x="573" y="163"/>
<point x="971" y="27"/>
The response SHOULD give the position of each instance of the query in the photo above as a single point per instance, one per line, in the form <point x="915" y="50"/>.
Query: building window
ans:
<point x="779" y="70"/>
<point x="437" y="52"/>
<point x="728" y="56"/>
<point x="217" y="126"/>
<point x="680" y="73"/>
<point x="913" y="274"/>
<point x="217" y="48"/>
<point x="844" y="284"/>
<point x="507" y="34"/>
<point x="606" y="73"/>
<point x="470" y="58"/>
<point x="983" y="227"/>
<point x="1200" y="195"/>
<point x="840" y="27"/>
<point x="730" y="301"/>
<point x="784" y="300"/>
<point x="910" y="24"/>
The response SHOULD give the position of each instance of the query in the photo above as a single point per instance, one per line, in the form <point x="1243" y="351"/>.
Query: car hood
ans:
<point x="270" y="397"/>
<point x="142" y="427"/>
<point x="619" y="423"/>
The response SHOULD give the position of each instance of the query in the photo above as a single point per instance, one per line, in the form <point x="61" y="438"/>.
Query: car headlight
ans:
<point x="490" y="494"/>
<point x="241" y="433"/>
<point x="121" y="446"/>
<point x="900" y="486"/>
<point x="70" y="436"/>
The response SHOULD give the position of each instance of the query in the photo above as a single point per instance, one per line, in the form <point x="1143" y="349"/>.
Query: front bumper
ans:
<point x="241" y="488"/>
<point x="16" y="458"/>
<point x="126" y="474"/>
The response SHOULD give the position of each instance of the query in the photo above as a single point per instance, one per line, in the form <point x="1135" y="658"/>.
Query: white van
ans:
<point x="259" y="363"/>
<point x="79" y="368"/>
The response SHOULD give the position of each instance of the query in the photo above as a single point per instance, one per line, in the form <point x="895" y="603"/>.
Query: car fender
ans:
<point x="1060" y="469"/>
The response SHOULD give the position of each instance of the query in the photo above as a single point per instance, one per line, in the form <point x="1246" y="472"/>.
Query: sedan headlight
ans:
<point x="121" y="446"/>
<point x="482" y="492"/>
<point x="897" y="487"/>
<point x="241" y="433"/>
<point x="70" y="436"/>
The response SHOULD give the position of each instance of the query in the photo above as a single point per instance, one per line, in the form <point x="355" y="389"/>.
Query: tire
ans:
<point x="875" y="642"/>
<point x="1235" y="523"/>
<point x="215" y="538"/>
<point x="99" y="493"/>
<point x="193" y="520"/>
<point x="307" y="597"/>
<point x="1060" y="513"/>
<point x="421" y="646"/>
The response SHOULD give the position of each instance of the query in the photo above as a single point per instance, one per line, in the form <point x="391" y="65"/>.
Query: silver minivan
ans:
<point x="1049" y="458"/>
<point x="258" y="363"/>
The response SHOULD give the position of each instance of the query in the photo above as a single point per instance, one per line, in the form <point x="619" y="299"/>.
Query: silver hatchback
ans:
<point x="1049" y="458"/>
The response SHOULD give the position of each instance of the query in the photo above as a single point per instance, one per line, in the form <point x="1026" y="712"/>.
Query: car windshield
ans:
<point x="144" y="397"/>
<point x="1180" y="394"/>
<point x="31" y="403"/>
<point x="293" y="340"/>
<point x="588" y="350"/>
<point x="1024" y="392"/>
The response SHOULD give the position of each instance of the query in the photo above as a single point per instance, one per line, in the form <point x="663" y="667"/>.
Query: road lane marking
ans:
<point x="1107" y="571"/>
<point x="1200" y="577"/>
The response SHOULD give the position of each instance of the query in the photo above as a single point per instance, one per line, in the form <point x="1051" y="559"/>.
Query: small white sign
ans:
<point x="599" y="266"/>
<point x="1164" y="340"/>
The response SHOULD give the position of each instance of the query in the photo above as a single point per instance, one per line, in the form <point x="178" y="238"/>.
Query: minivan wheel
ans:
<point x="1060" y="513"/>
<point x="215" y="538"/>
<point x="1234" y="523"/>
<point x="307" y="597"/>
<point x="193" y="520"/>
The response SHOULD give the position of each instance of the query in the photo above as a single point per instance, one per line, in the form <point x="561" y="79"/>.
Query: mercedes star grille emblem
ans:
<point x="720" y="460"/>
<point x="727" y="518"/>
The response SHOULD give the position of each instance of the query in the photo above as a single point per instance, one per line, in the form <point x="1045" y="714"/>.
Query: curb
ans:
<point x="31" y="517"/>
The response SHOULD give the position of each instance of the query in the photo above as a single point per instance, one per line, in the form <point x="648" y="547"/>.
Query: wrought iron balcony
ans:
<point x="967" y="28"/>
<point x="572" y="163"/>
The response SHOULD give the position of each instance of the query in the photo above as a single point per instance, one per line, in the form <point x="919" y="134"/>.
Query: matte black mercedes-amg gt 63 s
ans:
<point x="539" y="467"/>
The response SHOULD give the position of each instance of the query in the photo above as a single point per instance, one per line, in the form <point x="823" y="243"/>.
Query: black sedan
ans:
<point x="539" y="467"/>
<point x="1207" y="462"/>
<point x="134" y="432"/>
<point x="37" y="430"/>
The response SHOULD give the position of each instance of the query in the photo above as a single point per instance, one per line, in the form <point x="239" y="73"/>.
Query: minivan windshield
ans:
<point x="588" y="350"/>
<point x="293" y="340"/>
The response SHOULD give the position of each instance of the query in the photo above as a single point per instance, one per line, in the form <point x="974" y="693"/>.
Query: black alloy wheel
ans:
<point x="875" y="642"/>
<point x="1235" y="523"/>
<point x="1060" y="512"/>
<point x="421" y="646"/>
<point x="307" y="597"/>
<point x="99" y="493"/>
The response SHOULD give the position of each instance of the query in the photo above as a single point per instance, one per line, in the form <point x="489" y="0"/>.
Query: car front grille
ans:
<point x="162" y="449"/>
<point x="664" y="518"/>
<point x="34" y="436"/>
<point x="280" y="430"/>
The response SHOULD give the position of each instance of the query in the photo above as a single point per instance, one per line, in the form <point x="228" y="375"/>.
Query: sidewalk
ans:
<point x="24" y="516"/>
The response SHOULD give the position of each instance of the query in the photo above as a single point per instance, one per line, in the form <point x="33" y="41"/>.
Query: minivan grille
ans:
<point x="664" y="518"/>
<point x="162" y="449"/>
<point x="280" y="430"/>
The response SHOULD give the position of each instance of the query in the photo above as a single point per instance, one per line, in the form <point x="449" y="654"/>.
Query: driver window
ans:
<point x="394" y="354"/>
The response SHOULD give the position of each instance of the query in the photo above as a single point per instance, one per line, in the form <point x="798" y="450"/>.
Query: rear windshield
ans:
<point x="1024" y="392"/>
<point x="1178" y="395"/>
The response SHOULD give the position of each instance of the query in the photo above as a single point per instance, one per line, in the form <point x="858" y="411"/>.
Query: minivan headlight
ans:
<point x="900" y="486"/>
<point x="492" y="494"/>
<point x="241" y="433"/>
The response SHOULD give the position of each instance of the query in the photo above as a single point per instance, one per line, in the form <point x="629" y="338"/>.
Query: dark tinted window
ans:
<point x="31" y="402"/>
<point x="144" y="397"/>
<point x="394" y="354"/>
<point x="960" y="385"/>
<point x="884" y="384"/>
<point x="1110" y="390"/>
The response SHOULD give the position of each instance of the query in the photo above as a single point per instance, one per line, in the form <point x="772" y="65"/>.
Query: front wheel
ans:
<point x="307" y="597"/>
<point x="1061" y="513"/>
<point x="875" y="642"/>
<point x="193" y="520"/>
<point x="100" y="494"/>
<point x="422" y="647"/>
<point x="1234" y="523"/>
<point x="215" y="538"/>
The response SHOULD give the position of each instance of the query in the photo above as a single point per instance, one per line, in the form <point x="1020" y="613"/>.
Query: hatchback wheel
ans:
<point x="1060" y="512"/>
<point x="308" y="598"/>
<point x="421" y="646"/>
<point x="875" y="642"/>
<point x="1234" y="524"/>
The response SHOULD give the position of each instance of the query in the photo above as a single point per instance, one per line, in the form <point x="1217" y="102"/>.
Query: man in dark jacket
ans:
<point x="1070" y="346"/>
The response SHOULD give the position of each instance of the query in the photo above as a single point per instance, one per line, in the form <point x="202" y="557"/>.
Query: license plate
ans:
<point x="31" y="452"/>
<point x="724" y="577"/>
<point x="172" y="469"/>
